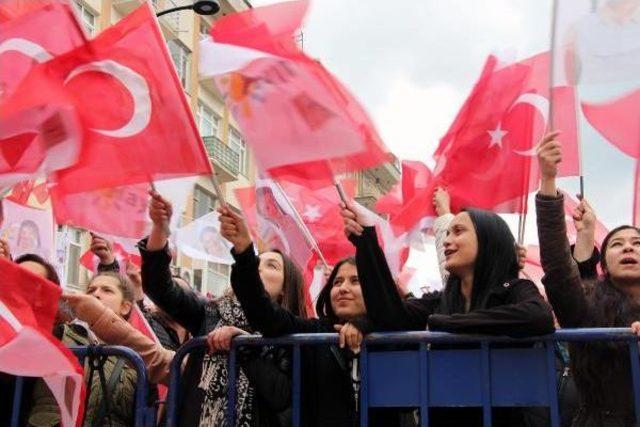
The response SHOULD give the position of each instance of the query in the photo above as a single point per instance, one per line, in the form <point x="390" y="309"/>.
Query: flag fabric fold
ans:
<point x="28" y="305"/>
<point x="301" y="123"/>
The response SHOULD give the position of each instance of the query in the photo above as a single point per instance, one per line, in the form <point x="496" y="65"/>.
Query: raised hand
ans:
<point x="584" y="217"/>
<point x="441" y="201"/>
<point x="549" y="156"/>
<point x="234" y="229"/>
<point x="103" y="249"/>
<point x="160" y="209"/>
<point x="160" y="212"/>
<point x="354" y="220"/>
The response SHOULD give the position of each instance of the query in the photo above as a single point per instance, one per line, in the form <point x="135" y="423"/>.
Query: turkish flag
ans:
<point x="570" y="205"/>
<point x="120" y="211"/>
<point x="301" y="123"/>
<point x="314" y="281"/>
<point x="416" y="178"/>
<point x="319" y="209"/>
<point x="38" y="135"/>
<point x="90" y="261"/>
<point x="36" y="140"/>
<point x="28" y="305"/>
<point x="136" y="120"/>
<point x="31" y="193"/>
<point x="35" y="37"/>
<point x="618" y="120"/>
<point x="273" y="222"/>
<point x="487" y="157"/>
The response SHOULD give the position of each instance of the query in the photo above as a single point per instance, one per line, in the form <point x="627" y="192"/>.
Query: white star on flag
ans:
<point x="311" y="213"/>
<point x="496" y="136"/>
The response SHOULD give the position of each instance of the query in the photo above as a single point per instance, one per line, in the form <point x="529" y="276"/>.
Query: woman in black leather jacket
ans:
<point x="264" y="380"/>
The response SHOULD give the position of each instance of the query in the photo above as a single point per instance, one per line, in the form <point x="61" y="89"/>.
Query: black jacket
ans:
<point x="267" y="370"/>
<point x="515" y="308"/>
<point x="327" y="393"/>
<point x="602" y="370"/>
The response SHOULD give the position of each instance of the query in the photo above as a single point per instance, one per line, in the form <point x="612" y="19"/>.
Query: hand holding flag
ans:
<point x="234" y="229"/>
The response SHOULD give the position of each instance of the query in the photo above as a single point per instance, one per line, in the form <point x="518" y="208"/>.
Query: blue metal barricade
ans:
<point x="488" y="372"/>
<point x="142" y="413"/>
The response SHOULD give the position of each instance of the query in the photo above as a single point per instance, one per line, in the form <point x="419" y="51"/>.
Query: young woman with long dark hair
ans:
<point x="264" y="380"/>
<point x="602" y="371"/>
<point x="329" y="373"/>
<point x="482" y="295"/>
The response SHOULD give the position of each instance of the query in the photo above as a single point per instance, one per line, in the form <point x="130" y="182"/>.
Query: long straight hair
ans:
<point x="323" y="304"/>
<point x="495" y="264"/>
<point x="292" y="286"/>
<point x="594" y="363"/>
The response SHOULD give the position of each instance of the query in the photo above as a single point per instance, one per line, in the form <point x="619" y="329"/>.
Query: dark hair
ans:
<point x="292" y="286"/>
<point x="496" y="262"/>
<point x="52" y="275"/>
<point x="29" y="223"/>
<point x="605" y="243"/>
<point x="323" y="305"/>
<point x="594" y="363"/>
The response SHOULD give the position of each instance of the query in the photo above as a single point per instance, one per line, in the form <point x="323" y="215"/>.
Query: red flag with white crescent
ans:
<point x="28" y="305"/>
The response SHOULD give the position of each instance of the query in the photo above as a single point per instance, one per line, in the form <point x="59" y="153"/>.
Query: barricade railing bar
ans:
<point x="433" y="369"/>
<point x="143" y="416"/>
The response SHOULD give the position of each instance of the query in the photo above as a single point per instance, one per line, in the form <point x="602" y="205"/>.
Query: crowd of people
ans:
<point x="483" y="293"/>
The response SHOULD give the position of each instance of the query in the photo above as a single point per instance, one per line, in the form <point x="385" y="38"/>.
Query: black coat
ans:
<point x="327" y="394"/>
<point x="602" y="370"/>
<point x="515" y="308"/>
<point x="267" y="370"/>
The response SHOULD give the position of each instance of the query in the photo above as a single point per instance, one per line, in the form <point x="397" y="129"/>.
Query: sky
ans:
<point x="413" y="62"/>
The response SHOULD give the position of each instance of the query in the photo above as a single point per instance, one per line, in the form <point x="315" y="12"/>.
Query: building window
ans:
<point x="203" y="202"/>
<point x="181" y="57"/>
<point x="87" y="18"/>
<point x="208" y="121"/>
<point x="238" y="145"/>
<point x="73" y="265"/>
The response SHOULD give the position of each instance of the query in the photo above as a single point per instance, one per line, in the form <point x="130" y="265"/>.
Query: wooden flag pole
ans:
<point x="217" y="189"/>
<point x="305" y="230"/>
<point x="341" y="193"/>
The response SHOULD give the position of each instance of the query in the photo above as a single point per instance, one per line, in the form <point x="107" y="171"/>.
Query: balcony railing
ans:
<point x="223" y="155"/>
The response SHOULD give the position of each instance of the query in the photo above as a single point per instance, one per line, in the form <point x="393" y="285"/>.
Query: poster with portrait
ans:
<point x="28" y="230"/>
<point x="201" y="239"/>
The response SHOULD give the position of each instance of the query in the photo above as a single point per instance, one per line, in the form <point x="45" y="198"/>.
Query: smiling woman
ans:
<point x="329" y="385"/>
<point x="482" y="295"/>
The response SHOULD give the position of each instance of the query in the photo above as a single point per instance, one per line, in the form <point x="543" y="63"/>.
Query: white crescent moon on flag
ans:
<point x="9" y="317"/>
<point x="541" y="104"/>
<point x="135" y="84"/>
<point x="25" y="47"/>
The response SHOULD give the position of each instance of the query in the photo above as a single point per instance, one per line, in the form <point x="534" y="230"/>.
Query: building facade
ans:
<point x="223" y="140"/>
